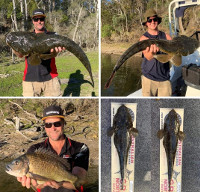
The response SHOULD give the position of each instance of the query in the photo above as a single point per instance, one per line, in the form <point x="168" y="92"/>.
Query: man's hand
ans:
<point x="150" y="51"/>
<point x="26" y="181"/>
<point x="58" y="49"/>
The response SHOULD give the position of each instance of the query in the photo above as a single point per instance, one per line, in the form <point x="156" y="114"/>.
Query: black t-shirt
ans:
<point x="76" y="153"/>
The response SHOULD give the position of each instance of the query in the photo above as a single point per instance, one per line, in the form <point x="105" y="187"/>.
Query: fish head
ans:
<point x="19" y="41"/>
<point x="172" y="122"/>
<point x="18" y="167"/>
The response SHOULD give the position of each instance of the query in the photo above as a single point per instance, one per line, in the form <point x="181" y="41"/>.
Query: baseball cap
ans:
<point x="38" y="12"/>
<point x="53" y="111"/>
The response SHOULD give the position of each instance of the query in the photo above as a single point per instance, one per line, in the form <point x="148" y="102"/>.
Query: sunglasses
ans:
<point x="154" y="19"/>
<point x="56" y="124"/>
<point x="37" y="19"/>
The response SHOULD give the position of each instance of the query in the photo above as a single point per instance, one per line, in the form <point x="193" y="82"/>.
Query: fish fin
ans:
<point x="107" y="85"/>
<point x="79" y="182"/>
<point x="134" y="132"/>
<point x="110" y="131"/>
<point x="34" y="59"/>
<point x="48" y="56"/>
<point x="176" y="60"/>
<point x="181" y="136"/>
<point x="160" y="134"/>
<point x="128" y="172"/>
<point x="163" y="58"/>
<point x="34" y="188"/>
<point x="37" y="177"/>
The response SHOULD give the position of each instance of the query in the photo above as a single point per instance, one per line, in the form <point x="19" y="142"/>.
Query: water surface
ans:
<point x="127" y="79"/>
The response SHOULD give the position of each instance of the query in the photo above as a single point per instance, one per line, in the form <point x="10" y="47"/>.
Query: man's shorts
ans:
<point x="156" y="88"/>
<point x="49" y="88"/>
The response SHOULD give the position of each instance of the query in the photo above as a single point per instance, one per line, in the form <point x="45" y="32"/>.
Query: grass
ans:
<point x="67" y="66"/>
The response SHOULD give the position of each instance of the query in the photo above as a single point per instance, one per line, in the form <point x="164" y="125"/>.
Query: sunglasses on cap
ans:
<point x="37" y="19"/>
<point x="56" y="124"/>
<point x="154" y="19"/>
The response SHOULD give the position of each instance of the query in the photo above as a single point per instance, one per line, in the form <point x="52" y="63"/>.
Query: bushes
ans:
<point x="106" y="31"/>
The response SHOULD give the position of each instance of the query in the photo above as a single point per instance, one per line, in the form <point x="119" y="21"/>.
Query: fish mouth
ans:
<point x="8" y="169"/>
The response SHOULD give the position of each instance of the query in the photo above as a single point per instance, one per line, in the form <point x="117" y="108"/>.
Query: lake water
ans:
<point x="9" y="183"/>
<point x="126" y="80"/>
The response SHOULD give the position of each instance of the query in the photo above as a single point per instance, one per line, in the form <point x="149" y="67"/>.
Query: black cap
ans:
<point x="52" y="111"/>
<point x="38" y="12"/>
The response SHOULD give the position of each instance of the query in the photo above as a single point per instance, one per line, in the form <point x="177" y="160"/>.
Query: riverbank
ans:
<point x="116" y="48"/>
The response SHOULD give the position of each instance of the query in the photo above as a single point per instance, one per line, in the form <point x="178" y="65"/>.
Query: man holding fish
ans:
<point x="155" y="78"/>
<point x="43" y="78"/>
<point x="74" y="153"/>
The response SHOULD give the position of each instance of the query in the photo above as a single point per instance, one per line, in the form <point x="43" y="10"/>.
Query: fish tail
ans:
<point x="109" y="80"/>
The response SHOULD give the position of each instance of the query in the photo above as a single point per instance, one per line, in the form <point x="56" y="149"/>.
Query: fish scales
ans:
<point x="174" y="49"/>
<point x="123" y="131"/>
<point x="37" y="45"/>
<point x="42" y="165"/>
<point x="171" y="134"/>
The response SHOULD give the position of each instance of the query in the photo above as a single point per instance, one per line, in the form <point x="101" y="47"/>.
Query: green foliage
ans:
<point x="64" y="19"/>
<point x="106" y="31"/>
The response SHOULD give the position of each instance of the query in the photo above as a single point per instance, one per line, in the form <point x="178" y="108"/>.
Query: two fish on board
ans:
<point x="174" y="49"/>
<point x="123" y="131"/>
<point x="37" y="45"/>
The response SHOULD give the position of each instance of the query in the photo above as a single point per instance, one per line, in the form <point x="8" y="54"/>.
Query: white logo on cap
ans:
<point x="38" y="13"/>
<point x="49" y="112"/>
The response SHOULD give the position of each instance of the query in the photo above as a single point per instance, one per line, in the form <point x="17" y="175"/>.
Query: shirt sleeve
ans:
<point x="81" y="158"/>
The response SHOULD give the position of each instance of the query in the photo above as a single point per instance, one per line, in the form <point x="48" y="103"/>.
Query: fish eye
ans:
<point x="16" y="162"/>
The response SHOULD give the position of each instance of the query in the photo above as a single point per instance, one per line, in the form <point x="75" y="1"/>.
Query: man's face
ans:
<point x="152" y="23"/>
<point x="55" y="130"/>
<point x="39" y="23"/>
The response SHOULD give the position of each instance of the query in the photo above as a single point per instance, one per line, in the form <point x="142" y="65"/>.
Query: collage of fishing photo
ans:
<point x="99" y="96"/>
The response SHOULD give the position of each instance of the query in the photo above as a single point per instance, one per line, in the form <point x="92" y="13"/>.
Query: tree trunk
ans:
<point x="77" y="23"/>
<point x="14" y="16"/>
<point x="22" y="11"/>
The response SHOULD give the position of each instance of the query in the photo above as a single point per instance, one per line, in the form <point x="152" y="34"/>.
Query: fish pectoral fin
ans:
<point x="160" y="134"/>
<point x="176" y="60"/>
<point x="37" y="177"/>
<point x="134" y="132"/>
<point x="163" y="58"/>
<point x="48" y="56"/>
<point x="34" y="188"/>
<point x="110" y="131"/>
<point x="181" y="136"/>
<point x="34" y="59"/>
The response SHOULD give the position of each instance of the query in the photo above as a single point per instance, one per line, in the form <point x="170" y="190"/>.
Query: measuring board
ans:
<point x="177" y="170"/>
<point x="128" y="185"/>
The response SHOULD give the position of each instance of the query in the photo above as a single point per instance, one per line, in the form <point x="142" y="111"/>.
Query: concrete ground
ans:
<point x="147" y="157"/>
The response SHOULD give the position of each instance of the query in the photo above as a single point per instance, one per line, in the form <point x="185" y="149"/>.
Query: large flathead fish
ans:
<point x="37" y="45"/>
<point x="174" y="49"/>
<point x="42" y="165"/>
<point x="123" y="131"/>
<point x="171" y="134"/>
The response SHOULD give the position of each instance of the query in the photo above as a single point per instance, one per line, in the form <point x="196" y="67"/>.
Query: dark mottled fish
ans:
<point x="123" y="131"/>
<point x="174" y="49"/>
<point x="171" y="134"/>
<point x="42" y="165"/>
<point x="36" y="45"/>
